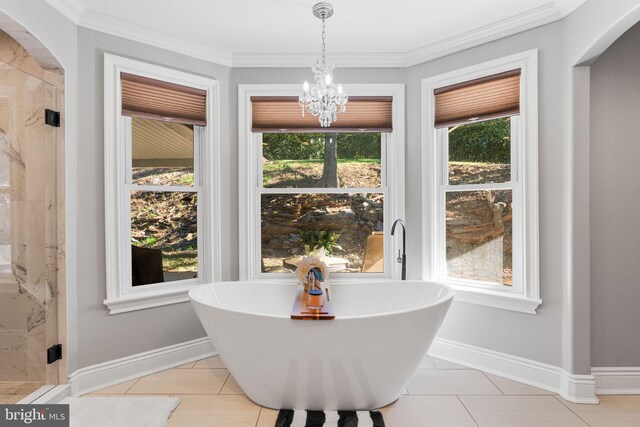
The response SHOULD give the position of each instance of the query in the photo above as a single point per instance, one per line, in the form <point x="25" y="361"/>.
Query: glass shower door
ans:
<point x="28" y="233"/>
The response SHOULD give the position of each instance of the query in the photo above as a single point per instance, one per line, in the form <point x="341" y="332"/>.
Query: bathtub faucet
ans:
<point x="402" y="259"/>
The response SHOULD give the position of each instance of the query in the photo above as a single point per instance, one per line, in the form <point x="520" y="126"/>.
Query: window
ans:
<point x="165" y="187"/>
<point x="322" y="192"/>
<point x="312" y="191"/>
<point x="480" y="172"/>
<point x="160" y="171"/>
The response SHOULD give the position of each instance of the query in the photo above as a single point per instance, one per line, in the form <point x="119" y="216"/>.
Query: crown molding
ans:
<point x="122" y="28"/>
<point x="88" y="18"/>
<point x="506" y="27"/>
<point x="71" y="9"/>
<point x="565" y="7"/>
<point x="305" y="60"/>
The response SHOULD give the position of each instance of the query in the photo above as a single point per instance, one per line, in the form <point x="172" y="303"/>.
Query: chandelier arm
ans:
<point x="325" y="99"/>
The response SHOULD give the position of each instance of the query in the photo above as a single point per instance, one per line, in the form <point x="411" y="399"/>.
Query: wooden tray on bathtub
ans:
<point x="301" y="312"/>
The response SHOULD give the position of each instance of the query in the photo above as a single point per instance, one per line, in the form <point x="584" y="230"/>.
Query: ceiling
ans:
<point x="285" y="32"/>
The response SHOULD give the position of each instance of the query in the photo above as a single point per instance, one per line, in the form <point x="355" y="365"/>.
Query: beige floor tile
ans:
<point x="11" y="385"/>
<point x="8" y="399"/>
<point x="214" y="362"/>
<point x="443" y="364"/>
<point x="231" y="387"/>
<point x="451" y="382"/>
<point x="182" y="381"/>
<point x="215" y="411"/>
<point x="520" y="411"/>
<point x="426" y="363"/>
<point x="427" y="411"/>
<point x="121" y="388"/>
<point x="19" y="388"/>
<point x="513" y="387"/>
<point x="187" y="366"/>
<point x="14" y="391"/>
<point x="613" y="411"/>
<point x="267" y="417"/>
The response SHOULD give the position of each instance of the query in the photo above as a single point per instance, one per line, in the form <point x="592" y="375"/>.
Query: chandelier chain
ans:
<point x="324" y="59"/>
<point x="325" y="99"/>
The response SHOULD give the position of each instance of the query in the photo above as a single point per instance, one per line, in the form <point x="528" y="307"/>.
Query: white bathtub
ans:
<point x="361" y="360"/>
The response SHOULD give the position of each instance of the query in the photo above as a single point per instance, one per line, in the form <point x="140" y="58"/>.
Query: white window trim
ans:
<point x="524" y="297"/>
<point x="249" y="166"/>
<point x="121" y="296"/>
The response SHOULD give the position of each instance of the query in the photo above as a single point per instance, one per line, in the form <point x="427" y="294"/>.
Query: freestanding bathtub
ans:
<point x="361" y="360"/>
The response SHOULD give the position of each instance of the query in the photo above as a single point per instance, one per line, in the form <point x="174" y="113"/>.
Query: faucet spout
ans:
<point x="402" y="259"/>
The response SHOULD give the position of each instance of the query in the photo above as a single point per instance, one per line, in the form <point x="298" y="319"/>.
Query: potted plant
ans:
<point x="320" y="243"/>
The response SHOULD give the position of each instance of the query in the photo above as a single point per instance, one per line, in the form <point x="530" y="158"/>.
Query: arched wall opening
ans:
<point x="36" y="49"/>
<point x="32" y="207"/>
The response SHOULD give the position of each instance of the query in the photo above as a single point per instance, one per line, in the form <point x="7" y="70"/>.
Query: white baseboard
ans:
<point x="574" y="388"/>
<point x="617" y="380"/>
<point x="578" y="388"/>
<point x="95" y="377"/>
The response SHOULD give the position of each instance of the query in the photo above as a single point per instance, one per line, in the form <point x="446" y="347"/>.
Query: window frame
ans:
<point x="250" y="183"/>
<point x="524" y="294"/>
<point x="121" y="295"/>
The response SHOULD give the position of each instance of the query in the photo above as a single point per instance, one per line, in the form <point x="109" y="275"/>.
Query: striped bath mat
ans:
<point x="289" y="418"/>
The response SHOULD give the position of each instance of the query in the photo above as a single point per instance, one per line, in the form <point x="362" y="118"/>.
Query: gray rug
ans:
<point x="127" y="411"/>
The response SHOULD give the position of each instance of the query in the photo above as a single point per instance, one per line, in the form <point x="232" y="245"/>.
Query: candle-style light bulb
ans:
<point x="323" y="98"/>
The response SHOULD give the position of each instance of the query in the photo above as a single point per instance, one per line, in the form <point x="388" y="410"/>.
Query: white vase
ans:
<point x="320" y="253"/>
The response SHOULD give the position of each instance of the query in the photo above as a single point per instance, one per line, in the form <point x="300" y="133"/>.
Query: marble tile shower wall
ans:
<point x="30" y="244"/>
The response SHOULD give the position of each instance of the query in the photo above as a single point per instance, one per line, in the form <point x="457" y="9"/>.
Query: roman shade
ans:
<point x="283" y="114"/>
<point x="480" y="99"/>
<point x="159" y="100"/>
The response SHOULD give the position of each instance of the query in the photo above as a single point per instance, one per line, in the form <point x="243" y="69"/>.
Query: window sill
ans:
<point x="496" y="299"/>
<point x="150" y="298"/>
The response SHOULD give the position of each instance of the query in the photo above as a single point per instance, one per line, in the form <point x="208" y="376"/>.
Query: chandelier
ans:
<point x="324" y="99"/>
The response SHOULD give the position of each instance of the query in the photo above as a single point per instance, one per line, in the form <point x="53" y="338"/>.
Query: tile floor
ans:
<point x="14" y="391"/>
<point x="441" y="394"/>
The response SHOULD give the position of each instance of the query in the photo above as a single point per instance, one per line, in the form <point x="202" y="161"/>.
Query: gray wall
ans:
<point x="536" y="337"/>
<point x="615" y="203"/>
<point x="100" y="336"/>
<point x="103" y="337"/>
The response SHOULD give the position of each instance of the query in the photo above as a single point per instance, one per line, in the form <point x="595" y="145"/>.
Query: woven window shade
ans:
<point x="159" y="100"/>
<point x="480" y="99"/>
<point x="284" y="114"/>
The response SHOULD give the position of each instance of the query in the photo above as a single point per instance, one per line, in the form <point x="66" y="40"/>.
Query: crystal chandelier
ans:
<point x="325" y="99"/>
